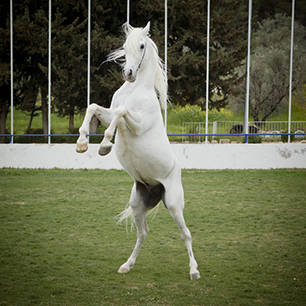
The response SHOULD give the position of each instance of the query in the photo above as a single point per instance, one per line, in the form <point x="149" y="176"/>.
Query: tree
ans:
<point x="270" y="61"/>
<point x="187" y="22"/>
<point x="4" y="65"/>
<point x="263" y="9"/>
<point x="31" y="46"/>
<point x="70" y="55"/>
<point x="23" y="64"/>
<point x="69" y="68"/>
<point x="187" y="38"/>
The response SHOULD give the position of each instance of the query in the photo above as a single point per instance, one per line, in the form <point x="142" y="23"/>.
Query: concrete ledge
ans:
<point x="190" y="156"/>
<point x="241" y="156"/>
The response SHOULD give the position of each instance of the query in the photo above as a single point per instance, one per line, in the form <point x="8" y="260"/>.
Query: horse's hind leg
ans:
<point x="142" y="231"/>
<point x="174" y="201"/>
<point x="175" y="206"/>
<point x="139" y="214"/>
<point x="103" y="114"/>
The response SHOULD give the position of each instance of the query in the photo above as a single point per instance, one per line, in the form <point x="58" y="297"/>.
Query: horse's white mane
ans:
<point x="160" y="82"/>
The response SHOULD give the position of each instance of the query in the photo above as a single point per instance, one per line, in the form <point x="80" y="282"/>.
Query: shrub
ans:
<point x="194" y="113"/>
<point x="284" y="138"/>
<point x="254" y="139"/>
<point x="189" y="113"/>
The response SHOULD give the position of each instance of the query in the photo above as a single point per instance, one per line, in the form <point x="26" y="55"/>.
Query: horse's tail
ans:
<point x="127" y="216"/>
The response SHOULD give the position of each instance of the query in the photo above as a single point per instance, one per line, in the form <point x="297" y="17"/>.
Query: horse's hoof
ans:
<point x="195" y="276"/>
<point x="123" y="270"/>
<point x="81" y="148"/>
<point x="104" y="150"/>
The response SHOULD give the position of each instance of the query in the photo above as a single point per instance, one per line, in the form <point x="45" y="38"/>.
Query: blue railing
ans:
<point x="11" y="136"/>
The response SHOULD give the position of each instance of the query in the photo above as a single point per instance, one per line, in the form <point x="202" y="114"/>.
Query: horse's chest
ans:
<point x="142" y="158"/>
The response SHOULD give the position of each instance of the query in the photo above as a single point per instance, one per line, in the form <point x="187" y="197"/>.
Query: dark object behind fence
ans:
<point x="238" y="129"/>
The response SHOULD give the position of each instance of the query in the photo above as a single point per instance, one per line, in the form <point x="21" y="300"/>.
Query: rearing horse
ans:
<point x="142" y="146"/>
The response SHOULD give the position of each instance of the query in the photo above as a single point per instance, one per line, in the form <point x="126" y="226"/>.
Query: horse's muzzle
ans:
<point x="129" y="76"/>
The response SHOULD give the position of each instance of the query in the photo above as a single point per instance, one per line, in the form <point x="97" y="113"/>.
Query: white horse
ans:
<point x="142" y="146"/>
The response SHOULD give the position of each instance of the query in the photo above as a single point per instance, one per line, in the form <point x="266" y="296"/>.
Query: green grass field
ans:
<point x="60" y="245"/>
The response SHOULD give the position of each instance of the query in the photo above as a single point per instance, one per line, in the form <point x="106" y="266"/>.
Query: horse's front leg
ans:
<point x="133" y="121"/>
<point x="106" y="145"/>
<point x="103" y="114"/>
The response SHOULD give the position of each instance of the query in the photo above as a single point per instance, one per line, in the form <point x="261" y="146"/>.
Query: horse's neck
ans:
<point x="144" y="80"/>
<point x="146" y="74"/>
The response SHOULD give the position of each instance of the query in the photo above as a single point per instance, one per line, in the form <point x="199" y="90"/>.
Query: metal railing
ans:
<point x="262" y="126"/>
<point x="195" y="131"/>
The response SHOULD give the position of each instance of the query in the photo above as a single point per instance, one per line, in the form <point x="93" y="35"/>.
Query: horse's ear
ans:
<point x="127" y="28"/>
<point x="146" y="30"/>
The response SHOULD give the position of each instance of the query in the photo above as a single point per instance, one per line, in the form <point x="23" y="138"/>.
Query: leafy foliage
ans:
<point x="284" y="138"/>
<point x="194" y="113"/>
<point x="187" y="39"/>
<point x="187" y="50"/>
<point x="269" y="80"/>
<point x="187" y="27"/>
<point x="254" y="139"/>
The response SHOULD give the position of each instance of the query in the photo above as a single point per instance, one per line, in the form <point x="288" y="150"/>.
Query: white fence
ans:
<point x="236" y="127"/>
<point x="190" y="156"/>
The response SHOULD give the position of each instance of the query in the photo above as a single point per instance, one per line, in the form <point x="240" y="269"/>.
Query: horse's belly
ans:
<point x="144" y="159"/>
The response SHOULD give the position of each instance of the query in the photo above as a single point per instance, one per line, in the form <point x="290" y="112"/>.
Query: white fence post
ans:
<point x="49" y="77"/>
<point x="246" y="109"/>
<point x="12" y="78"/>
<point x="291" y="60"/>
<point x="215" y="127"/>
<point x="207" y="67"/>
<point x="166" y="62"/>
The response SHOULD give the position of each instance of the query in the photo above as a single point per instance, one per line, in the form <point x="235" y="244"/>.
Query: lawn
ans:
<point x="60" y="245"/>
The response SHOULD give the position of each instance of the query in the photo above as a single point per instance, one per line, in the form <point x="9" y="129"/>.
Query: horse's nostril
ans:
<point x="130" y="73"/>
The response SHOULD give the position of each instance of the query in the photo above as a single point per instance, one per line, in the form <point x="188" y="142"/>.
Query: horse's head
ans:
<point x="139" y="50"/>
<point x="135" y="48"/>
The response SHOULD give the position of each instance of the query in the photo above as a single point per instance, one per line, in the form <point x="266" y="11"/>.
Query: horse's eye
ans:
<point x="142" y="46"/>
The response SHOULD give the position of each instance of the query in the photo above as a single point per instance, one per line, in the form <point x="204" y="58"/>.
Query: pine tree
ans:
<point x="31" y="46"/>
<point x="270" y="60"/>
<point x="69" y="62"/>
<point x="69" y="69"/>
<point x="4" y="65"/>
<point x="187" y="39"/>
<point x="187" y="26"/>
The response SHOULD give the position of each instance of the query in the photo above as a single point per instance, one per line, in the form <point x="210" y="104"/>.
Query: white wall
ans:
<point x="190" y="156"/>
